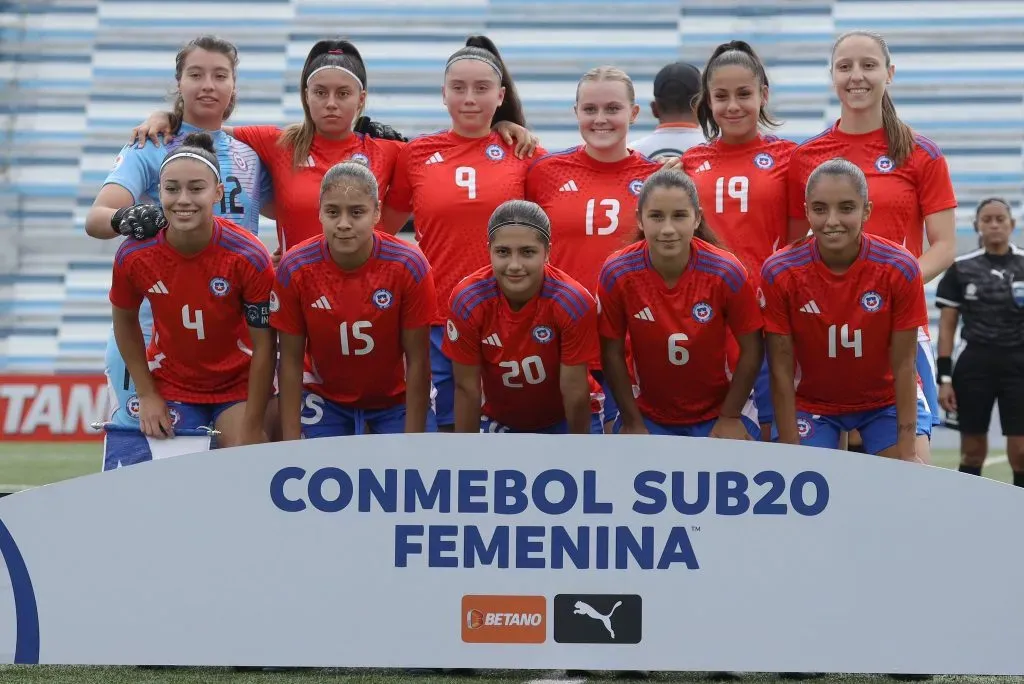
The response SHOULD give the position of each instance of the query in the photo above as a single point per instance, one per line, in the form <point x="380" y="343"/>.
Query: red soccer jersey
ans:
<point x="591" y="204"/>
<point x="297" y="190"/>
<point x="901" y="197"/>
<point x="452" y="185"/>
<point x="680" y="335"/>
<point x="742" y="191"/>
<point x="202" y="306"/>
<point x="353" y="320"/>
<point x="842" y="325"/>
<point x="519" y="352"/>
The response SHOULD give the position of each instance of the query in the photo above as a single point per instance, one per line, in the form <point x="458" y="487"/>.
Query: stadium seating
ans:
<point x="80" y="73"/>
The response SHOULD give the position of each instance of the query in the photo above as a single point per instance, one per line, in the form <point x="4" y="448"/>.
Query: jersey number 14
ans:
<point x="840" y="337"/>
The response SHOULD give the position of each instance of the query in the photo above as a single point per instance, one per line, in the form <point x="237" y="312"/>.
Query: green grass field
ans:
<point x="27" y="464"/>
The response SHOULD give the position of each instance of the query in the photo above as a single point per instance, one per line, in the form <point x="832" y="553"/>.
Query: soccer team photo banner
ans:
<point x="518" y="552"/>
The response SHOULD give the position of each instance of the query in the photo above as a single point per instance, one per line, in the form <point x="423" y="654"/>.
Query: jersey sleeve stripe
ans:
<point x="293" y="261"/>
<point x="130" y="246"/>
<point x="549" y="155"/>
<point x="816" y="137"/>
<point x="253" y="254"/>
<point x="905" y="264"/>
<point x="777" y="264"/>
<point x="929" y="146"/>
<point x="620" y="266"/>
<point x="410" y="258"/>
<point x="714" y="264"/>
<point x="566" y="296"/>
<point x="473" y="296"/>
<point x="470" y="290"/>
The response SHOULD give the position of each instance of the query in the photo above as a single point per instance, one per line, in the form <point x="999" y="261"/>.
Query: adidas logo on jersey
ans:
<point x="644" y="314"/>
<point x="569" y="187"/>
<point x="705" y="166"/>
<point x="435" y="158"/>
<point x="492" y="340"/>
<point x="159" y="288"/>
<point x="322" y="303"/>
<point x="810" y="307"/>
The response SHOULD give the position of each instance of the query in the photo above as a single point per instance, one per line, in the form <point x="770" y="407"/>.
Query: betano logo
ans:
<point x="504" y="619"/>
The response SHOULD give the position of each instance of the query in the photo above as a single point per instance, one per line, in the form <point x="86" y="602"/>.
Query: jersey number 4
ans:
<point x="736" y="188"/>
<point x="193" y="322"/>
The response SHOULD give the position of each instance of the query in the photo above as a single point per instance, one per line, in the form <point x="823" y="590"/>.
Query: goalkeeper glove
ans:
<point x="376" y="129"/>
<point x="139" y="222"/>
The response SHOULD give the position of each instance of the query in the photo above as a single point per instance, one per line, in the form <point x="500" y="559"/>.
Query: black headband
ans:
<point x="546" y="232"/>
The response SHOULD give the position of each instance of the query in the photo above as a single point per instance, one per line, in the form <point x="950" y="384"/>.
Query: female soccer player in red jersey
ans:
<point x="911" y="190"/>
<point x="842" y="309"/>
<point x="209" y="283"/>
<point x="589" y="191"/>
<point x="332" y="90"/>
<point x="452" y="181"/>
<point x="741" y="171"/>
<point x="524" y="332"/>
<point x="360" y="302"/>
<point x="683" y="302"/>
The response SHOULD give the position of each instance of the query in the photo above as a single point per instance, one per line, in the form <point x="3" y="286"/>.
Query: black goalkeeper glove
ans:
<point x="376" y="129"/>
<point x="139" y="222"/>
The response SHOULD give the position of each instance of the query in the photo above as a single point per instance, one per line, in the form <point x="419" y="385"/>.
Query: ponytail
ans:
<point x="899" y="135"/>
<point x="734" y="53"/>
<point x="337" y="53"/>
<point x="484" y="49"/>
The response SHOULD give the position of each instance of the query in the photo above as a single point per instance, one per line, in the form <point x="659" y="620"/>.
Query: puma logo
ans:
<point x="588" y="610"/>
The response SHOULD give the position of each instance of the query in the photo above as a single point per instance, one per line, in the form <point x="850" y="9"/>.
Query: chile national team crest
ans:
<point x="382" y="298"/>
<point x="635" y="186"/>
<point x="871" y="301"/>
<point x="219" y="287"/>
<point x="132" y="406"/>
<point x="804" y="428"/>
<point x="764" y="161"/>
<point x="239" y="161"/>
<point x="494" y="152"/>
<point x="543" y="334"/>
<point x="175" y="416"/>
<point x="883" y="164"/>
<point x="702" y="312"/>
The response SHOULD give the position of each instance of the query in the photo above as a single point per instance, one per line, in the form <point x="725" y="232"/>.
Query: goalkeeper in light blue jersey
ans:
<point x="128" y="203"/>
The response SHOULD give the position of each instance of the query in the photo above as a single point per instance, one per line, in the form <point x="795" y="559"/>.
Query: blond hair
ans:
<point x="608" y="73"/>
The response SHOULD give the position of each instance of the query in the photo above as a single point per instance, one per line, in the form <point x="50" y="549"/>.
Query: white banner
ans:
<point x="515" y="551"/>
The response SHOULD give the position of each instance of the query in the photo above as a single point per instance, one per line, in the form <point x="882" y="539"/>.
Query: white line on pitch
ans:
<point x="556" y="681"/>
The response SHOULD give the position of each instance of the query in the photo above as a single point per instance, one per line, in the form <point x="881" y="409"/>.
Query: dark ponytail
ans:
<point x="733" y="53"/>
<point x="675" y="178"/>
<point x="484" y="49"/>
<point x="340" y="53"/>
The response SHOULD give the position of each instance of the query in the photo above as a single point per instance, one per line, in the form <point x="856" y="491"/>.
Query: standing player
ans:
<point x="906" y="172"/>
<point x="360" y="302"/>
<point x="527" y="330"/>
<point x="589" y="192"/>
<point x="452" y="181"/>
<point x="676" y="89"/>
<point x="842" y="309"/>
<point x="683" y="302"/>
<point x="740" y="172"/>
<point x="129" y="201"/>
<point x="986" y="287"/>
<point x="332" y="90"/>
<point x="209" y="283"/>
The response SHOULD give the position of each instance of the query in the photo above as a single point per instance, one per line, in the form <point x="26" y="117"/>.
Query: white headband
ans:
<point x="339" y="68"/>
<point x="478" y="58"/>
<point x="191" y="155"/>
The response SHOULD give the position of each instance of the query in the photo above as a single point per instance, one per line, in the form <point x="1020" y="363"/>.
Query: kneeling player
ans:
<point x="684" y="303"/>
<point x="842" y="310"/>
<point x="360" y="303"/>
<point x="209" y="283"/>
<point x="528" y="331"/>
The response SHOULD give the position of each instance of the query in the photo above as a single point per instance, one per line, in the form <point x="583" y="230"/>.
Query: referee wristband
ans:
<point x="944" y="366"/>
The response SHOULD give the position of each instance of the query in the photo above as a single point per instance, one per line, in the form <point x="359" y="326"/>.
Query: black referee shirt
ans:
<point x="988" y="290"/>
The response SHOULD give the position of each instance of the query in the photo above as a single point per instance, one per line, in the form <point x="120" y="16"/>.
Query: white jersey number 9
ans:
<point x="531" y="369"/>
<point x="465" y="177"/>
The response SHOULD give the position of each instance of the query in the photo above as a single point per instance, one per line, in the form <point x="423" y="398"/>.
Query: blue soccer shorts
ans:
<point x="559" y="428"/>
<point x="877" y="427"/>
<point x="443" y="379"/>
<point x="324" y="418"/>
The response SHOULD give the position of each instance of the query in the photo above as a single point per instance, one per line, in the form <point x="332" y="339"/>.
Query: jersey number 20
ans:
<point x="531" y="369"/>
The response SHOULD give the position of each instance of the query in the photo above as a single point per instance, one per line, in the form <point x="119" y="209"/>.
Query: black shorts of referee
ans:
<point x="985" y="375"/>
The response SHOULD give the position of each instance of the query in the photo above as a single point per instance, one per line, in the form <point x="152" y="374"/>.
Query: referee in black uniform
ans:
<point x="986" y="288"/>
